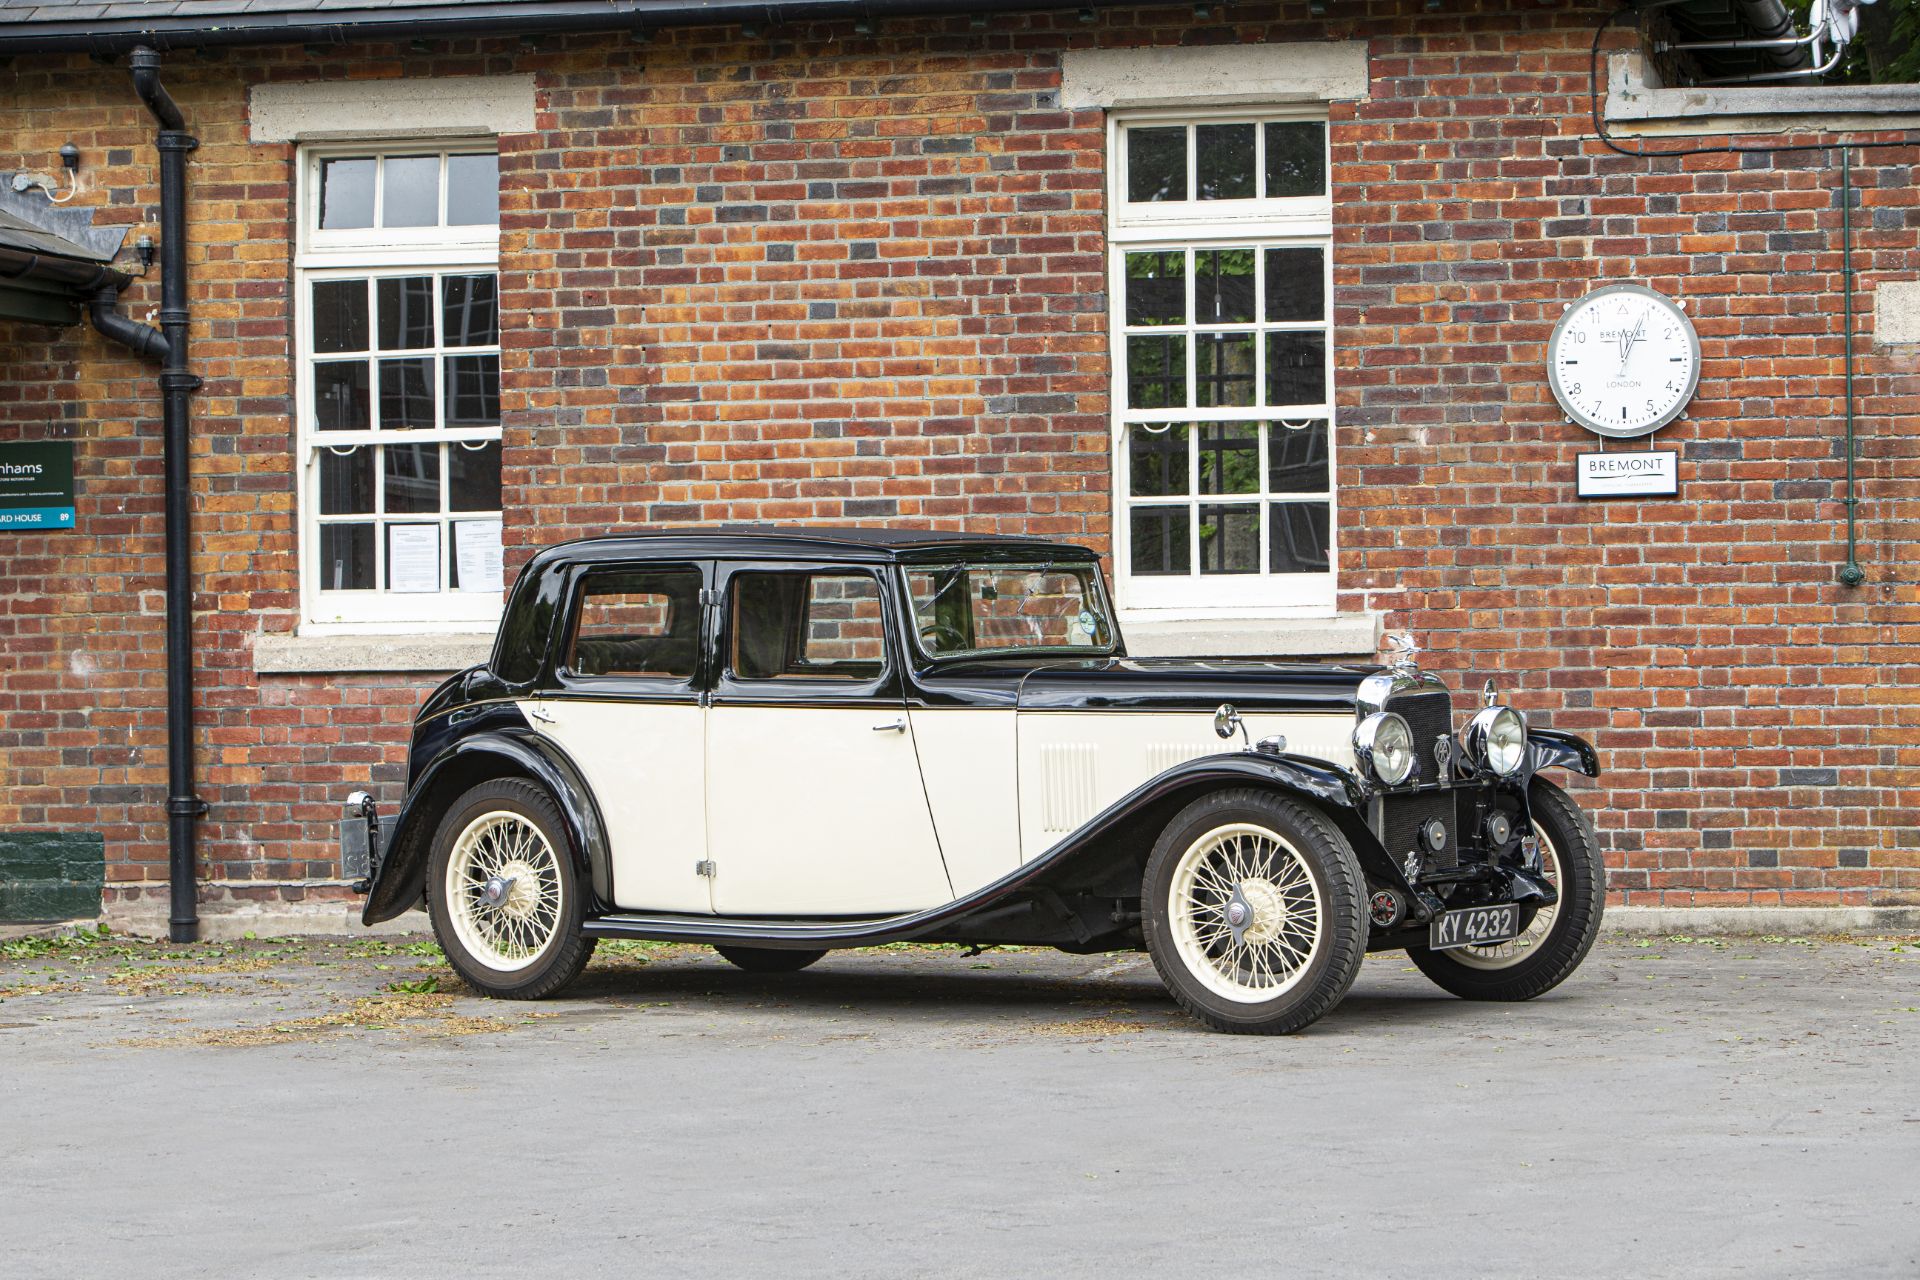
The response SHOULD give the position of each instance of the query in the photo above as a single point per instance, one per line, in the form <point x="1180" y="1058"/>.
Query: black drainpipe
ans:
<point x="169" y="344"/>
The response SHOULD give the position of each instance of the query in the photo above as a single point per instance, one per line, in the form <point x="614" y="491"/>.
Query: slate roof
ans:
<point x="31" y="224"/>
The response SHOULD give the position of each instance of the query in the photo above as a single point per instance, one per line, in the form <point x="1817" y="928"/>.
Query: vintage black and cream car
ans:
<point x="781" y="742"/>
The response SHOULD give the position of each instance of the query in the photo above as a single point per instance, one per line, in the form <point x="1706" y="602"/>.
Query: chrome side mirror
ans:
<point x="1226" y="721"/>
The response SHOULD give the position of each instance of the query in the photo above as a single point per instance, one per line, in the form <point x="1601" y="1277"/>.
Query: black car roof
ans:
<point x="811" y="542"/>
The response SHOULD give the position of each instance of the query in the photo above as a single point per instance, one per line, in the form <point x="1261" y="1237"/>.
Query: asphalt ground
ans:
<point x="1681" y="1107"/>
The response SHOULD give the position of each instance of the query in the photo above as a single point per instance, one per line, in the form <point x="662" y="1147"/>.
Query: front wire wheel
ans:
<point x="1254" y="912"/>
<point x="1247" y="915"/>
<point x="1558" y="938"/>
<point x="503" y="895"/>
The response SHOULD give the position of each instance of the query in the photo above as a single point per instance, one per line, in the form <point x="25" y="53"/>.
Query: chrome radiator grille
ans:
<point x="1429" y="714"/>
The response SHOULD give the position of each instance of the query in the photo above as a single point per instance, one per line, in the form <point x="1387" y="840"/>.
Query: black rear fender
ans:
<point x="400" y="880"/>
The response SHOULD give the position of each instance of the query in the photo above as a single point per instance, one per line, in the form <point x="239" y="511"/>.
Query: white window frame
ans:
<point x="1212" y="224"/>
<point x="371" y="253"/>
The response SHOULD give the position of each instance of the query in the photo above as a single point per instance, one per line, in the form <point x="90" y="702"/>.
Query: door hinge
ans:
<point x="709" y="596"/>
<point x="704" y="867"/>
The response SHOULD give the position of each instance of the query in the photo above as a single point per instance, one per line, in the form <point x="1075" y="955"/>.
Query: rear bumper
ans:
<point x="364" y="836"/>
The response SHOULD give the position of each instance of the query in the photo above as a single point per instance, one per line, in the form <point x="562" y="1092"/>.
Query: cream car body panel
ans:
<point x="646" y="764"/>
<point x="1073" y="764"/>
<point x="819" y="811"/>
<point x="967" y="759"/>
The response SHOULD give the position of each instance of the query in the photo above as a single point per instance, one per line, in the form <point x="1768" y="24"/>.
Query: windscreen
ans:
<point x="1007" y="609"/>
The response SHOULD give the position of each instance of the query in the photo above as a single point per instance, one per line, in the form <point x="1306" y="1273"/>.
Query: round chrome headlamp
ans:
<point x="1383" y="743"/>
<point x="1496" y="740"/>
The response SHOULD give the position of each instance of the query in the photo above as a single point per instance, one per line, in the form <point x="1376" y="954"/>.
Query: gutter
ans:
<point x="500" y="18"/>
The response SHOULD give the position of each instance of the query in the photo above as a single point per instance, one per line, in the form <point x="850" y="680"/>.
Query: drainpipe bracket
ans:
<point x="188" y="806"/>
<point x="170" y="140"/>
<point x="179" y="380"/>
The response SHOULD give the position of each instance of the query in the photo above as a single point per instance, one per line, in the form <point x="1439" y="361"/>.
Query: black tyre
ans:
<point x="1254" y="911"/>
<point x="768" y="959"/>
<point x="1558" y="938"/>
<point x="502" y="892"/>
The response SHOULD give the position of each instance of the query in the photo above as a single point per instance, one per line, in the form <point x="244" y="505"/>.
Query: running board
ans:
<point x="793" y="934"/>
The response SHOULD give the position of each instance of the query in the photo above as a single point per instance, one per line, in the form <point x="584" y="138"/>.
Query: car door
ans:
<point x="628" y="711"/>
<point x="814" y="800"/>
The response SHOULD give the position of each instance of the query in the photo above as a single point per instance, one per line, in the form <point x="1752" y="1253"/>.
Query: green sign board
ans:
<point x="36" y="485"/>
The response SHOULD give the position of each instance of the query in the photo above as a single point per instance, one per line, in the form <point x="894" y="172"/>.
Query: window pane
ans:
<point x="1223" y="161"/>
<point x="1156" y="372"/>
<point x="1296" y="284"/>
<point x="339" y="315"/>
<point x="470" y="311"/>
<point x="406" y="312"/>
<point x="974" y="607"/>
<point x="346" y="194"/>
<point x="346" y="557"/>
<point x="1223" y="286"/>
<point x="1157" y="287"/>
<point x="1157" y="164"/>
<point x="340" y="395"/>
<point x="1298" y="537"/>
<point x="473" y="477"/>
<point x="1297" y="457"/>
<point x="639" y="624"/>
<point x="819" y="626"/>
<point x="346" y="482"/>
<point x="1230" y="539"/>
<point x="1160" y="539"/>
<point x="473" y="391"/>
<point x="1229" y="457"/>
<point x="412" y="192"/>
<point x="1296" y="159"/>
<point x="412" y="477"/>
<point x="1157" y="462"/>
<point x="1296" y="368"/>
<point x="406" y="393"/>
<point x="473" y="190"/>
<point x="1227" y="369"/>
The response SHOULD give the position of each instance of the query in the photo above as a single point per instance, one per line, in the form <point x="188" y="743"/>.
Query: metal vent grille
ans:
<point x="1066" y="785"/>
<point x="1429" y="714"/>
<point x="1401" y="820"/>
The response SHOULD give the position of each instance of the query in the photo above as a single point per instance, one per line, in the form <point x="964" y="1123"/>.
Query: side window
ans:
<point x="638" y="623"/>
<point x="806" y="626"/>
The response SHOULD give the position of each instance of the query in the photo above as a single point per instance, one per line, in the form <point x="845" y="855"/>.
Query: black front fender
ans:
<point x="1107" y="851"/>
<point x="1550" y="748"/>
<point x="401" y="877"/>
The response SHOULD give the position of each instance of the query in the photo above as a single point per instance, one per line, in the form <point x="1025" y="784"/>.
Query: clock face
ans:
<point x="1623" y="361"/>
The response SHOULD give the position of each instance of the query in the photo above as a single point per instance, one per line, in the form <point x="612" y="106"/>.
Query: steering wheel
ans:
<point x="938" y="636"/>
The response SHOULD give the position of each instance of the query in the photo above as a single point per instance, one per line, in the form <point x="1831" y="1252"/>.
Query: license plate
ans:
<point x="1475" y="927"/>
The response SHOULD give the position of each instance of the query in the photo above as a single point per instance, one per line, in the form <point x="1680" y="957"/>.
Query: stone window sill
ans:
<point x="280" y="654"/>
<point x="1346" y="635"/>
<point x="1638" y="104"/>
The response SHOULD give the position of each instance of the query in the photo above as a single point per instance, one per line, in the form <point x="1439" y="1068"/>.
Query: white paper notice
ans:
<point x="476" y="554"/>
<point x="413" y="557"/>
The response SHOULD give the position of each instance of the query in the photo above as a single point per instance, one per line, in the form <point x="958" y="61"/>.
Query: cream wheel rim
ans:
<point x="1247" y="913"/>
<point x="504" y="892"/>
<point x="1504" y="955"/>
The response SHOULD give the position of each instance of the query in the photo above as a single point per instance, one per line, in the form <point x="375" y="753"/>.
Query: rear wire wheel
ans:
<point x="1558" y="938"/>
<point x="1254" y="912"/>
<point x="505" y="902"/>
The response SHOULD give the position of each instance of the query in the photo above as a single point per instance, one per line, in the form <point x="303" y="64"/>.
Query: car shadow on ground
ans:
<point x="869" y="985"/>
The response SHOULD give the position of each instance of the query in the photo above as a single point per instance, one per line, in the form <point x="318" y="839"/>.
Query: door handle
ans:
<point x="892" y="726"/>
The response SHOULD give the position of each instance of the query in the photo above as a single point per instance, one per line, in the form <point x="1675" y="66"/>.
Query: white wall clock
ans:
<point x="1623" y="361"/>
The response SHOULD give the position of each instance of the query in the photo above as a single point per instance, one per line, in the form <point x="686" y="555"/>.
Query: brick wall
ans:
<point x="821" y="275"/>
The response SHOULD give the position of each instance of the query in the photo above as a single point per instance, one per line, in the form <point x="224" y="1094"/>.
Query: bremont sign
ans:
<point x="1653" y="473"/>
